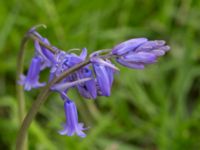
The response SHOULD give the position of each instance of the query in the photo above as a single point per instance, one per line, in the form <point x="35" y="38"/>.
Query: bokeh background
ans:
<point x="157" y="108"/>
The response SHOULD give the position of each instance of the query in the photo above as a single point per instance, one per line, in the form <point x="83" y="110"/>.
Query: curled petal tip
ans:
<point x="83" y="54"/>
<point x="104" y="63"/>
<point x="160" y="42"/>
<point x="64" y="86"/>
<point x="166" y="48"/>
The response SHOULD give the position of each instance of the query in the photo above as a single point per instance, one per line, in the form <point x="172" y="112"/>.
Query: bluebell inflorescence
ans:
<point x="92" y="80"/>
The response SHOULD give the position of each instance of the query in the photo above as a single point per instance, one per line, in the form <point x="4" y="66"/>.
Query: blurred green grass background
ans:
<point x="153" y="109"/>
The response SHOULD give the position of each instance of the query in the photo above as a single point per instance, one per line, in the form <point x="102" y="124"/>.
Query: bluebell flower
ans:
<point x="104" y="76"/>
<point x="103" y="80"/>
<point x="104" y="71"/>
<point x="58" y="66"/>
<point x="47" y="57"/>
<point x="87" y="89"/>
<point x="31" y="80"/>
<point x="136" y="53"/>
<point x="72" y="126"/>
<point x="71" y="60"/>
<point x="111" y="73"/>
<point x="64" y="61"/>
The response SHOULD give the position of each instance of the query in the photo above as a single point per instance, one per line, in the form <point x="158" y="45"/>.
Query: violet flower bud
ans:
<point x="46" y="55"/>
<point x="72" y="126"/>
<point x="137" y="53"/>
<point x="128" y="46"/>
<point x="31" y="80"/>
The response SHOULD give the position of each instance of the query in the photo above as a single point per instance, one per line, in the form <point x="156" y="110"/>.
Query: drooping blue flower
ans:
<point x="31" y="80"/>
<point x="44" y="60"/>
<point x="104" y="77"/>
<point x="136" y="53"/>
<point x="72" y="126"/>
<point x="83" y="78"/>
<point x="71" y="60"/>
<point x="104" y="71"/>
<point x="64" y="61"/>
<point x="47" y="57"/>
<point x="103" y="81"/>
<point x="58" y="67"/>
<point x="87" y="89"/>
<point x="111" y="73"/>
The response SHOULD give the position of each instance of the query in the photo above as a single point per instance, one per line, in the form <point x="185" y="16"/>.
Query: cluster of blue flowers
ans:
<point x="92" y="80"/>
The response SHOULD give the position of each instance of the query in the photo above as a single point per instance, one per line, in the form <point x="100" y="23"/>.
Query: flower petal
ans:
<point x="150" y="45"/>
<point x="31" y="80"/>
<point x="102" y="62"/>
<point x="83" y="54"/>
<point x="64" y="86"/>
<point x="128" y="46"/>
<point x="72" y="126"/>
<point x="87" y="89"/>
<point x="141" y="57"/>
<point x="102" y="79"/>
<point x="130" y="65"/>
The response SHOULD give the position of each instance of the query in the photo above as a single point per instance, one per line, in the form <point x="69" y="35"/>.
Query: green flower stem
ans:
<point x="19" y="88"/>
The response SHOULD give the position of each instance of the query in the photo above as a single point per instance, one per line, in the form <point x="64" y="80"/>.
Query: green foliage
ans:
<point x="155" y="108"/>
